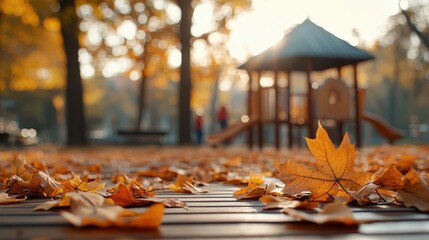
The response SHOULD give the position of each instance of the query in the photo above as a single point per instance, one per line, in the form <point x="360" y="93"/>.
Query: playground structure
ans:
<point x="306" y="48"/>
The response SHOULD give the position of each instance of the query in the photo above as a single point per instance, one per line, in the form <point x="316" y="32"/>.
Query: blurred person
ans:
<point x="222" y="117"/>
<point x="199" y="128"/>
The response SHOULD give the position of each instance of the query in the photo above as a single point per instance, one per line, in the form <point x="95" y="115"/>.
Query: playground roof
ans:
<point x="307" y="43"/>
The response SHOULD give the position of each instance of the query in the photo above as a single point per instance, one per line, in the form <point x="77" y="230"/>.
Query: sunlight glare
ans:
<point x="123" y="6"/>
<point x="116" y="66"/>
<point x="114" y="40"/>
<point x="265" y="24"/>
<point x="135" y="75"/>
<point x="266" y="81"/>
<point x="202" y="19"/>
<point x="174" y="57"/>
<point x="127" y="29"/>
<point x="86" y="71"/>
<point x="173" y="13"/>
<point x="43" y="73"/>
<point x="244" y="118"/>
<point x="225" y="85"/>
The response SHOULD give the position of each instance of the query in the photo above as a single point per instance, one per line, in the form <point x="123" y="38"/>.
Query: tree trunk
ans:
<point x="75" y="117"/>
<point x="142" y="91"/>
<point x="184" y="110"/>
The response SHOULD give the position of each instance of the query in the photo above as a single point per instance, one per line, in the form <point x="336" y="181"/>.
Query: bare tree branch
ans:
<point x="414" y="28"/>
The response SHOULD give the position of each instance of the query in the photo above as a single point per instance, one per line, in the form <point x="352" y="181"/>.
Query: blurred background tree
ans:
<point x="129" y="57"/>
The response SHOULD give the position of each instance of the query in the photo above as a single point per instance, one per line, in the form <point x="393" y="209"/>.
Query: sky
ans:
<point x="268" y="20"/>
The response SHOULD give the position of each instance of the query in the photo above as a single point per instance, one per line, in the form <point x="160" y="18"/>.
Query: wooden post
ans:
<point x="249" y="111"/>
<point x="260" y="127"/>
<point x="357" y="117"/>
<point x="310" y="119"/>
<point x="276" y="112"/>
<point x="289" y="118"/>
<point x="340" y="124"/>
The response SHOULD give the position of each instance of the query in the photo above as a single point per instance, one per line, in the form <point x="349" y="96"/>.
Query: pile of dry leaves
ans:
<point x="99" y="186"/>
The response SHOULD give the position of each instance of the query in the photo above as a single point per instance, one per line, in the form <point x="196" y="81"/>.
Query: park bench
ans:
<point x="142" y="136"/>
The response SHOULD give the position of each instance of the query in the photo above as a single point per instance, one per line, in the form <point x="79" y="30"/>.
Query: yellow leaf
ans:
<point x="184" y="184"/>
<point x="333" y="174"/>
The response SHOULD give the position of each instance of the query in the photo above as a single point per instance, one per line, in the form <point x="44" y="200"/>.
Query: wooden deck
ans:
<point x="214" y="215"/>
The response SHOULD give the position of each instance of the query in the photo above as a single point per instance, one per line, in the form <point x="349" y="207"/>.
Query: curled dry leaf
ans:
<point x="27" y="181"/>
<point x="136" y="188"/>
<point x="372" y="194"/>
<point x="391" y="178"/>
<point x="77" y="183"/>
<point x="335" y="212"/>
<point x="416" y="192"/>
<point x="184" y="184"/>
<point x="282" y="203"/>
<point x="108" y="216"/>
<point x="254" y="190"/>
<point x="123" y="197"/>
<point x="7" y="199"/>
<point x="78" y="197"/>
<point x="333" y="174"/>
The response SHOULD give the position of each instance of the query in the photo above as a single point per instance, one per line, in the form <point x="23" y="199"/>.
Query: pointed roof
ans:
<point x="307" y="43"/>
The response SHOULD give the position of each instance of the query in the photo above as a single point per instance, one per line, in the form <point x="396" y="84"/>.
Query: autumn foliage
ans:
<point x="93" y="188"/>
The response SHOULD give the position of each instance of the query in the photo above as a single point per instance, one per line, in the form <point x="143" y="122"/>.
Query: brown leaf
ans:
<point x="123" y="197"/>
<point x="416" y="192"/>
<point x="333" y="174"/>
<point x="76" y="183"/>
<point x="40" y="185"/>
<point x="184" y="184"/>
<point x="108" y="216"/>
<point x="253" y="189"/>
<point x="282" y="203"/>
<point x="391" y="179"/>
<point x="78" y="197"/>
<point x="7" y="199"/>
<point x="373" y="194"/>
<point x="335" y="212"/>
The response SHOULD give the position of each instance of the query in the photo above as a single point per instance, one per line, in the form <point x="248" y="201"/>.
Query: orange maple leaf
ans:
<point x="77" y="183"/>
<point x="333" y="174"/>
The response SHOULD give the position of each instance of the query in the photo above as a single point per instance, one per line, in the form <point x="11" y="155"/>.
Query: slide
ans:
<point x="230" y="132"/>
<point x="384" y="129"/>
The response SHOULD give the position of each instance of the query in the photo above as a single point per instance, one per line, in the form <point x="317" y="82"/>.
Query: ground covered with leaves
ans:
<point x="100" y="186"/>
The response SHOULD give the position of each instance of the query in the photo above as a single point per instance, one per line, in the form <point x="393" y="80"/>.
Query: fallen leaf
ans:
<point x="254" y="190"/>
<point x="78" y="197"/>
<point x="184" y="184"/>
<point x="77" y="183"/>
<point x="108" y="216"/>
<point x="333" y="174"/>
<point x="123" y="197"/>
<point x="40" y="185"/>
<point x="136" y="188"/>
<point x="335" y="212"/>
<point x="282" y="203"/>
<point x="416" y="192"/>
<point x="7" y="199"/>
<point x="391" y="178"/>
<point x="235" y="161"/>
<point x="372" y="194"/>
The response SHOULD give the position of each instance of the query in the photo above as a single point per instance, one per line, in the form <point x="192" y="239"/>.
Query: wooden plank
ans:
<point x="57" y="220"/>
<point x="222" y="231"/>
<point x="200" y="210"/>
